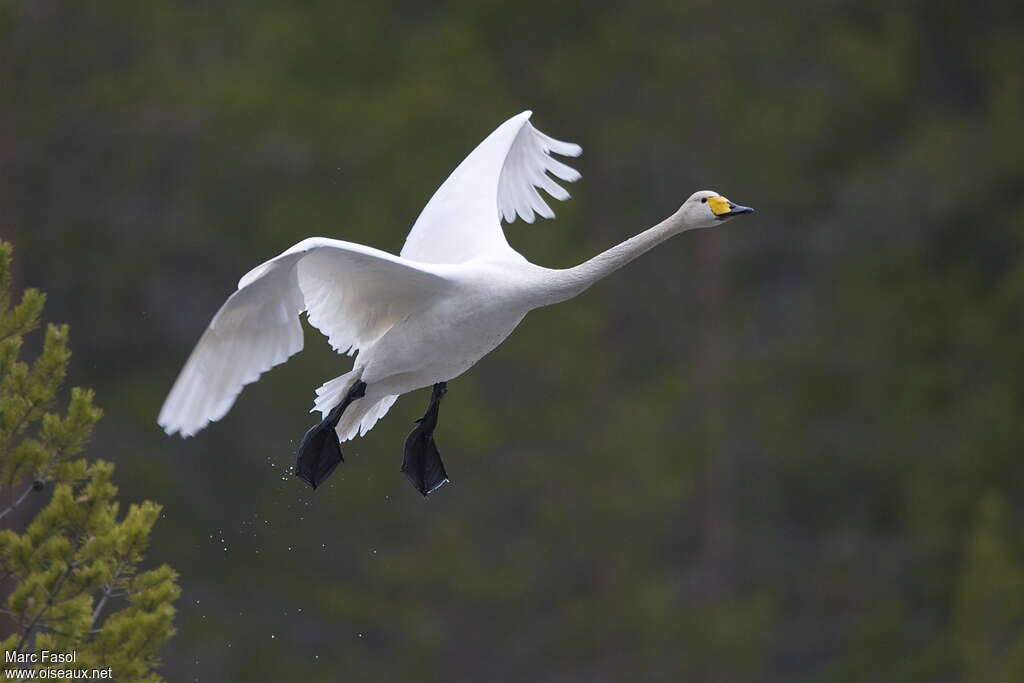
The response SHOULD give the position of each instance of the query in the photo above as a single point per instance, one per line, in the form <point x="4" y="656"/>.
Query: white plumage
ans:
<point x="456" y="291"/>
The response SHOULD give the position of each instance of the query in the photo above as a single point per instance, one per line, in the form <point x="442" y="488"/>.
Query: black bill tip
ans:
<point x="735" y="210"/>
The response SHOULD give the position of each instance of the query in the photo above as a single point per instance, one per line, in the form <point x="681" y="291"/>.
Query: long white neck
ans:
<point x="567" y="283"/>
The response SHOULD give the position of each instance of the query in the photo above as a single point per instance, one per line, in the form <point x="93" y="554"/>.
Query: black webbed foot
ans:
<point x="422" y="464"/>
<point x="318" y="455"/>
<point x="320" y="451"/>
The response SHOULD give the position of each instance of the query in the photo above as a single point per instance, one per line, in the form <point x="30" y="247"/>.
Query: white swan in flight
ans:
<point x="419" y="319"/>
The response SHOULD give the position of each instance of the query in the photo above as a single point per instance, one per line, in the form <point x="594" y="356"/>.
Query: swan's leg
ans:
<point x="422" y="464"/>
<point x="320" y="451"/>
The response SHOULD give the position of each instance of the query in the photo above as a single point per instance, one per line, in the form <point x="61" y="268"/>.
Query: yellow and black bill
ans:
<point x="723" y="208"/>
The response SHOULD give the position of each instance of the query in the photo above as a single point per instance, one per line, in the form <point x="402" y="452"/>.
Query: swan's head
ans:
<point x="706" y="209"/>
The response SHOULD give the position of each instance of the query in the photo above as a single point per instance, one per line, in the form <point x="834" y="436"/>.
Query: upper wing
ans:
<point x="499" y="179"/>
<point x="353" y="294"/>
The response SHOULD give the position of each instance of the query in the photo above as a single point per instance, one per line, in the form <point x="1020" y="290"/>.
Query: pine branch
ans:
<point x="41" y="477"/>
<point x="108" y="591"/>
<point x="51" y="598"/>
<point x="19" y="501"/>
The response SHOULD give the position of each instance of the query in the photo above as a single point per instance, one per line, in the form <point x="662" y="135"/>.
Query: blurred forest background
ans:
<point x="785" y="450"/>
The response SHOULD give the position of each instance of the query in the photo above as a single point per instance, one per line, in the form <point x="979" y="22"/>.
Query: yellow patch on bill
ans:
<point x="719" y="205"/>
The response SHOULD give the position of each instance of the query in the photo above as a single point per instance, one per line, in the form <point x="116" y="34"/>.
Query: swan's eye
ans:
<point x="703" y="200"/>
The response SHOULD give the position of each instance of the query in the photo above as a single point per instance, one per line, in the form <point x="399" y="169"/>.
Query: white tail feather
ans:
<point x="359" y="417"/>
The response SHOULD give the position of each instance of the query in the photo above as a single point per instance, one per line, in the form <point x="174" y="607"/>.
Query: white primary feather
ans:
<point x="498" y="179"/>
<point x="526" y="168"/>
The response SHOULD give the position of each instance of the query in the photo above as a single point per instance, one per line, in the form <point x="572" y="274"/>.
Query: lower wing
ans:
<point x="351" y="293"/>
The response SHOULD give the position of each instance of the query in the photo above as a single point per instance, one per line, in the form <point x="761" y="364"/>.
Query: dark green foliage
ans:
<point x="71" y="579"/>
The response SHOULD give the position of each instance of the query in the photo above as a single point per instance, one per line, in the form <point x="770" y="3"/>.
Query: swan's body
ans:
<point x="419" y="319"/>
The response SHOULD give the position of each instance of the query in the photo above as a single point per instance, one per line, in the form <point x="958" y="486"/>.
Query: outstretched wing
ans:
<point x="351" y="293"/>
<point x="499" y="179"/>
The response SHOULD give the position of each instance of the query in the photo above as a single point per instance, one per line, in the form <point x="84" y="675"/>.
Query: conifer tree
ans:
<point x="69" y="574"/>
